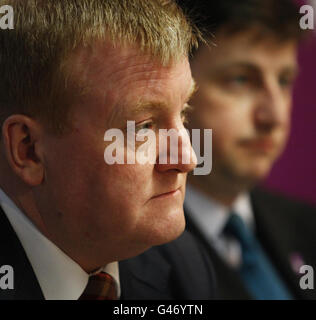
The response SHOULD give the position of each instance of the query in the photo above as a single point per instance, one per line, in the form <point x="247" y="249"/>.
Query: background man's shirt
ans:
<point x="211" y="218"/>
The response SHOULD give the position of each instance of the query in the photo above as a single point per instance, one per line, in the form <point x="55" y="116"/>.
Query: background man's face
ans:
<point x="245" y="95"/>
<point x="117" y="210"/>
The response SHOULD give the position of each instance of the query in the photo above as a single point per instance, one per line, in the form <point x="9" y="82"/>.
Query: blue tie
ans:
<point x="257" y="273"/>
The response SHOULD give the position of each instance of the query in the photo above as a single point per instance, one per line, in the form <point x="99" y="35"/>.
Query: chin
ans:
<point x="256" y="173"/>
<point x="167" y="229"/>
<point x="175" y="232"/>
<point x="153" y="238"/>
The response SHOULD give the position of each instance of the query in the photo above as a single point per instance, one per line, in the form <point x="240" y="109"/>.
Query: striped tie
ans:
<point x="101" y="286"/>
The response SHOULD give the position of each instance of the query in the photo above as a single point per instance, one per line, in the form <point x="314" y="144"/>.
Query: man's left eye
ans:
<point x="144" y="126"/>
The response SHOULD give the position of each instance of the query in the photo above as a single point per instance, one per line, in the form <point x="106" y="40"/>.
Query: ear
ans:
<point x="22" y="137"/>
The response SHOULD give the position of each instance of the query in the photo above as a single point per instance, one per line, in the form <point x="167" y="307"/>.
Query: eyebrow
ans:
<point x="154" y="105"/>
<point x="252" y="67"/>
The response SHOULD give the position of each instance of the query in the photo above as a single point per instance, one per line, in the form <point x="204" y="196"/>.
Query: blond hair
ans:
<point x="32" y="79"/>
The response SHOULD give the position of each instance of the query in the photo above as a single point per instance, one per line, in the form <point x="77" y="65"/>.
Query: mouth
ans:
<point x="167" y="194"/>
<point x="260" y="145"/>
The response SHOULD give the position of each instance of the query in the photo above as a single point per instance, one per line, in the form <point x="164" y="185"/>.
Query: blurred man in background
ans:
<point x="257" y="240"/>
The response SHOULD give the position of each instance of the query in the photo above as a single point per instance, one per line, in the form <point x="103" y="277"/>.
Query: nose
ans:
<point x="273" y="107"/>
<point x="175" y="152"/>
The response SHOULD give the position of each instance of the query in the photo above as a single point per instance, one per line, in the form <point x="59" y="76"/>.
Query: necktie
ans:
<point x="101" y="286"/>
<point x="257" y="273"/>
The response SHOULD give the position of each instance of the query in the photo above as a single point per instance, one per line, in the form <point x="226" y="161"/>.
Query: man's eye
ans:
<point x="286" y="82"/>
<point x="148" y="125"/>
<point x="241" y="79"/>
<point x="185" y="113"/>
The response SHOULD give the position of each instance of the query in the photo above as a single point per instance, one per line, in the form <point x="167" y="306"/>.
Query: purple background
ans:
<point x="294" y="174"/>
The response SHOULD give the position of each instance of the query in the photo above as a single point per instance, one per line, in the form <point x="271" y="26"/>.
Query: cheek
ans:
<point x="288" y="119"/>
<point x="217" y="109"/>
<point x="118" y="195"/>
<point x="125" y="183"/>
<point x="226" y="124"/>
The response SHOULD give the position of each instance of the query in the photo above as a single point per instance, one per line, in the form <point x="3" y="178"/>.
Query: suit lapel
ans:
<point x="145" y="277"/>
<point x="229" y="285"/>
<point x="26" y="286"/>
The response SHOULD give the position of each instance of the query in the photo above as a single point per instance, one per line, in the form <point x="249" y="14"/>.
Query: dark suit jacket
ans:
<point x="159" y="273"/>
<point x="285" y="229"/>
<point x="177" y="270"/>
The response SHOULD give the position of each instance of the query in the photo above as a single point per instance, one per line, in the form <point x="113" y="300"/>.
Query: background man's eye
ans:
<point x="286" y="82"/>
<point x="239" y="79"/>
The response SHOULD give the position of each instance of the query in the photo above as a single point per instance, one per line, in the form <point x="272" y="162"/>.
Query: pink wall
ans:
<point x="295" y="172"/>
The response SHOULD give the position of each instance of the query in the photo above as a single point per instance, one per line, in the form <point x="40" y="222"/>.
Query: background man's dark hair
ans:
<point x="278" y="18"/>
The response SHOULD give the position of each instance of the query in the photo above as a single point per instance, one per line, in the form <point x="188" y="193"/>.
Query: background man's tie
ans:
<point x="101" y="286"/>
<point x="258" y="274"/>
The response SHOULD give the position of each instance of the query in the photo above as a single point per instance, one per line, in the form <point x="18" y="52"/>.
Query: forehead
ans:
<point x="243" y="48"/>
<point x="117" y="79"/>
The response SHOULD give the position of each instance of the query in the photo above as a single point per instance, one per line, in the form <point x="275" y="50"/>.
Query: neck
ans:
<point x="221" y="191"/>
<point x="24" y="200"/>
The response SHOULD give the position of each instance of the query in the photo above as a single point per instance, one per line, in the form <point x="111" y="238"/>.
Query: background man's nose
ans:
<point x="272" y="108"/>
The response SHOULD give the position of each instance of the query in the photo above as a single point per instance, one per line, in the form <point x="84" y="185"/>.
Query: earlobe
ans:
<point x="21" y="138"/>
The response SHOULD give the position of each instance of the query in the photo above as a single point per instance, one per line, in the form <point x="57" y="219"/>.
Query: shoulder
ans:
<point x="263" y="199"/>
<point x="191" y="268"/>
<point x="181" y="267"/>
<point x="185" y="246"/>
<point x="187" y="252"/>
<point x="26" y="286"/>
<point x="291" y="218"/>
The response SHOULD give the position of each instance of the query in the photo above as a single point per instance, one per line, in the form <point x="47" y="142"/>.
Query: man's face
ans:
<point x="116" y="211"/>
<point x="245" y="96"/>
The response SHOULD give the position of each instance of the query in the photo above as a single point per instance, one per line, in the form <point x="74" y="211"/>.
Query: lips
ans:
<point x="261" y="144"/>
<point x="167" y="194"/>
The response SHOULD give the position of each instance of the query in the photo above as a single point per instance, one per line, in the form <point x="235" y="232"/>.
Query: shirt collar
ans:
<point x="59" y="277"/>
<point x="211" y="216"/>
<point x="242" y="206"/>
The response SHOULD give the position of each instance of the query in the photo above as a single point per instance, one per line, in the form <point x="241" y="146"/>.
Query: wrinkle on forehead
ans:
<point x="153" y="89"/>
<point x="110" y="73"/>
<point x="105" y="60"/>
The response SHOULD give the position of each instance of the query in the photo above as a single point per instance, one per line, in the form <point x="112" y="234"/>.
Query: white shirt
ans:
<point x="59" y="277"/>
<point x="211" y="217"/>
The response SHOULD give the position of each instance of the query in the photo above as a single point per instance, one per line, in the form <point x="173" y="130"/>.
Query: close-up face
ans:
<point x="245" y="96"/>
<point x="130" y="206"/>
